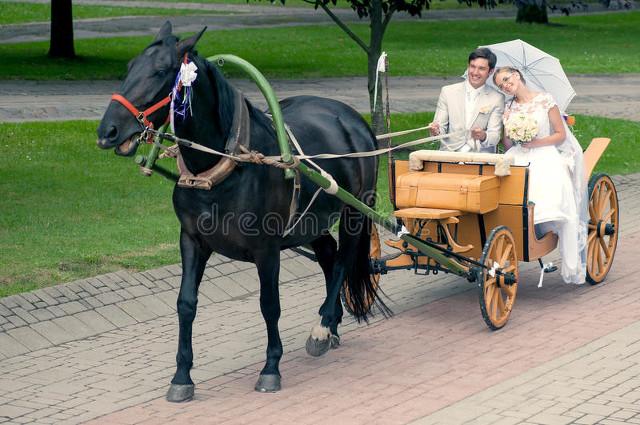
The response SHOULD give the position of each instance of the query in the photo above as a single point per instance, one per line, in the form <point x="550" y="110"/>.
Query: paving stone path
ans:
<point x="613" y="96"/>
<point x="102" y="349"/>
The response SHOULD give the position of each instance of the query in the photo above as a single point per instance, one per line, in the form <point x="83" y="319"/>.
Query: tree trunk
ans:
<point x="61" y="44"/>
<point x="378" y="123"/>
<point x="532" y="11"/>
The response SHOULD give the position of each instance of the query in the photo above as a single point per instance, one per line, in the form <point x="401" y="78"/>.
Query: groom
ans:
<point x="471" y="109"/>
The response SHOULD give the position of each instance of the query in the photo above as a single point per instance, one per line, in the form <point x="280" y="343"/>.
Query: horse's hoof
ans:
<point x="268" y="383"/>
<point x="178" y="393"/>
<point x="335" y="341"/>
<point x="317" y="347"/>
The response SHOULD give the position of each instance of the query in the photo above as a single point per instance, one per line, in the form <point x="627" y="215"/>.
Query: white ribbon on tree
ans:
<point x="381" y="67"/>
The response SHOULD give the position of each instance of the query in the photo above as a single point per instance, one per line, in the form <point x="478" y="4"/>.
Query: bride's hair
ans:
<point x="508" y="69"/>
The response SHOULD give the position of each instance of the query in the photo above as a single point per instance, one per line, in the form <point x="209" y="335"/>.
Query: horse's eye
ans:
<point x="161" y="73"/>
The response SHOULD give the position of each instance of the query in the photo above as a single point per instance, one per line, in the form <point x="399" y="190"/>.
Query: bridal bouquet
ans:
<point x="521" y="128"/>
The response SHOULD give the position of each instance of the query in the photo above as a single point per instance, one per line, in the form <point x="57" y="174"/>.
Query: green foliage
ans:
<point x="341" y="4"/>
<point x="585" y="44"/>
<point x="15" y="13"/>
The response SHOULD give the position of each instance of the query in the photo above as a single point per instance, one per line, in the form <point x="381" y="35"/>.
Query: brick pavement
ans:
<point x="104" y="348"/>
<point x="440" y="353"/>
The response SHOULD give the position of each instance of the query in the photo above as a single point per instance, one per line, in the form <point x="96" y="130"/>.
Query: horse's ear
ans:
<point x="188" y="44"/>
<point x="164" y="31"/>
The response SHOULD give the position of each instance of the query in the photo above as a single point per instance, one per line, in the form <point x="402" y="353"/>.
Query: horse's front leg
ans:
<point x="194" y="260"/>
<point x="268" y="264"/>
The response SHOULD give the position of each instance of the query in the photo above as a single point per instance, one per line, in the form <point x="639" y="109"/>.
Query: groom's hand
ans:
<point x="478" y="134"/>
<point x="434" y="129"/>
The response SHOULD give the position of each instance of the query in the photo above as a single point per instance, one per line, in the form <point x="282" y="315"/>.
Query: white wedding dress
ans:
<point x="556" y="186"/>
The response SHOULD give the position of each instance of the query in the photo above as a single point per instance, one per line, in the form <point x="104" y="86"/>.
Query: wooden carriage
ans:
<point x="483" y="223"/>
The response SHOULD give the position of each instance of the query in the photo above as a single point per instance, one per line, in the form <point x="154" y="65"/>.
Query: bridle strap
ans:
<point x="141" y="116"/>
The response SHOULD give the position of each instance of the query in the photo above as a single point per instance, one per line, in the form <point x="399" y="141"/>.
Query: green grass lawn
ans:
<point x="590" y="44"/>
<point x="70" y="210"/>
<point x="18" y="13"/>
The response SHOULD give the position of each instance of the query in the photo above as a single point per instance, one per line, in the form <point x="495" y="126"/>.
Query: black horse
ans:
<point x="242" y="215"/>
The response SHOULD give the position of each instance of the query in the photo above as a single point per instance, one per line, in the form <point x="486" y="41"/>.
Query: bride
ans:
<point x="556" y="181"/>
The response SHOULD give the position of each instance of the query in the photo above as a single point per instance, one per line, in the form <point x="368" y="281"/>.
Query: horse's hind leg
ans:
<point x="268" y="265"/>
<point x="322" y="335"/>
<point x="194" y="261"/>
<point x="325" y="248"/>
<point x="351" y="264"/>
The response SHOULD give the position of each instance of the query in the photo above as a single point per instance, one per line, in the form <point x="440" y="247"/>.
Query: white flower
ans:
<point x="520" y="127"/>
<point x="188" y="73"/>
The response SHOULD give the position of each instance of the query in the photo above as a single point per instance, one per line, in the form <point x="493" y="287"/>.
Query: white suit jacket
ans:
<point x="450" y="115"/>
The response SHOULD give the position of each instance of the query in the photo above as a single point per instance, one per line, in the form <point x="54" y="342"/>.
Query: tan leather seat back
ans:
<point x="469" y="193"/>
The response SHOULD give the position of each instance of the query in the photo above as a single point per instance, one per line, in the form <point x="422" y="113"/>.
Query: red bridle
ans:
<point x="141" y="116"/>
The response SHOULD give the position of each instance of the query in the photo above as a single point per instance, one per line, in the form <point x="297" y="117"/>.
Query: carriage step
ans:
<point x="426" y="213"/>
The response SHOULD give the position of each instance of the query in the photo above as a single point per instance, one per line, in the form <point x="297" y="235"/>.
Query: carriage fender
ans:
<point x="593" y="153"/>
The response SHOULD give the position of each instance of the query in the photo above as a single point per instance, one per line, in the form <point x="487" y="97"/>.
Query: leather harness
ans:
<point x="239" y="136"/>
<point x="237" y="142"/>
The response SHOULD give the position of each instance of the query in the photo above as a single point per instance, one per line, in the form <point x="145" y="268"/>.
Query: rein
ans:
<point x="259" y="158"/>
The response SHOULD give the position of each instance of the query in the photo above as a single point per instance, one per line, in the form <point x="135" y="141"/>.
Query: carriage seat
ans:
<point x="501" y="162"/>
<point x="426" y="213"/>
<point x="447" y="192"/>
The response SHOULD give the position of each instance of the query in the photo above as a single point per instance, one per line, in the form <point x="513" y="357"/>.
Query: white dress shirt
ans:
<point x="470" y="99"/>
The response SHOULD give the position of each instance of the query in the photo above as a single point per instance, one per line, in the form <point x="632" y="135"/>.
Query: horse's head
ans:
<point x="145" y="93"/>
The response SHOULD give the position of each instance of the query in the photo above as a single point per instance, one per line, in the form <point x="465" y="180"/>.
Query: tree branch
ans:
<point x="387" y="18"/>
<point x="345" y="28"/>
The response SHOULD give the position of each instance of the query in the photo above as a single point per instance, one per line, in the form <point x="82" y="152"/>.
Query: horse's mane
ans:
<point x="223" y="92"/>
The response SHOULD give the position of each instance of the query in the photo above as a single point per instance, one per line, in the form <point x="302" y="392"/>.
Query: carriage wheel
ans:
<point x="375" y="252"/>
<point x="497" y="295"/>
<point x="603" y="227"/>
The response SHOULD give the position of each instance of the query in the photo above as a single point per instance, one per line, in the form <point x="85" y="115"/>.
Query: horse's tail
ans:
<point x="362" y="291"/>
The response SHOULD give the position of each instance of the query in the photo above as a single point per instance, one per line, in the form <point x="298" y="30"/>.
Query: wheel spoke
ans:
<point x="509" y="290"/>
<point x="494" y="305"/>
<point x="605" y="248"/>
<point x="600" y="260"/>
<point x="489" y="286"/>
<point x="510" y="268"/>
<point x="499" y="304"/>
<point x="505" y="254"/>
<point x="595" y="197"/>
<point x="601" y="191"/>
<point x="488" y="296"/>
<point x="590" y="248"/>
<point x="592" y="212"/>
<point x="607" y="217"/>
<point x="603" y="200"/>
<point x="591" y="236"/>
<point x="499" y="246"/>
<point x="594" y="260"/>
